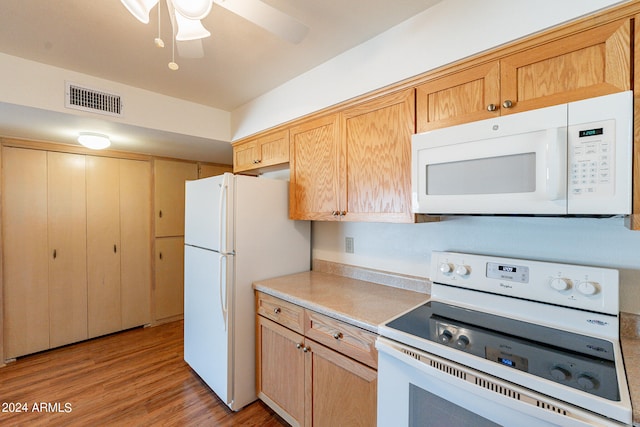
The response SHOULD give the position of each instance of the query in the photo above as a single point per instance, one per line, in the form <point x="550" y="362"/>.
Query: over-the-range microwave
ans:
<point x="568" y="159"/>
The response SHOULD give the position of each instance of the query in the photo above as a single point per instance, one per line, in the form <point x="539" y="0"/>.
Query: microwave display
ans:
<point x="590" y="132"/>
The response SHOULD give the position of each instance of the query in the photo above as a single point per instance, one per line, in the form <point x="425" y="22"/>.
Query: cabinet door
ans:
<point x="377" y="153"/>
<point x="591" y="63"/>
<point x="135" y="235"/>
<point x="25" y="251"/>
<point x="169" y="289"/>
<point x="170" y="177"/>
<point x="461" y="97"/>
<point x="281" y="370"/>
<point x="315" y="175"/>
<point x="103" y="245"/>
<point x="245" y="156"/>
<point x="344" y="391"/>
<point x="274" y="148"/>
<point x="67" y="225"/>
<point x="205" y="171"/>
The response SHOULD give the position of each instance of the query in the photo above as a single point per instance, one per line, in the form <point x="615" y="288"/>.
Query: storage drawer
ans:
<point x="288" y="315"/>
<point x="342" y="337"/>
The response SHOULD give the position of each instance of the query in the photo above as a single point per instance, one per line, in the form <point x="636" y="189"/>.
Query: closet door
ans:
<point x="103" y="245"/>
<point x="135" y="234"/>
<point x="25" y="257"/>
<point x="67" y="226"/>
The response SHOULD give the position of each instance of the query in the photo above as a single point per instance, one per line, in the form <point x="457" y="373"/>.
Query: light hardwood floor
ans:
<point x="133" y="378"/>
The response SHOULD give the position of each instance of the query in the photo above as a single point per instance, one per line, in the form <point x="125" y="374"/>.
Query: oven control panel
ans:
<point x="574" y="286"/>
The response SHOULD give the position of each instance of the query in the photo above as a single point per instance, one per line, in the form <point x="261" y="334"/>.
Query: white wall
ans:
<point x="406" y="248"/>
<point x="37" y="85"/>
<point x="449" y="31"/>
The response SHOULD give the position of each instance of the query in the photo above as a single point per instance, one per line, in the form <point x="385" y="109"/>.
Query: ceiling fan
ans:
<point x="188" y="31"/>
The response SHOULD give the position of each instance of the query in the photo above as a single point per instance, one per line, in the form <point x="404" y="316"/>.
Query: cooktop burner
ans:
<point x="574" y="360"/>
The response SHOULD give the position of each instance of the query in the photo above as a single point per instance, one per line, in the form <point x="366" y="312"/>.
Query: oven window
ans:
<point x="493" y="175"/>
<point x="428" y="410"/>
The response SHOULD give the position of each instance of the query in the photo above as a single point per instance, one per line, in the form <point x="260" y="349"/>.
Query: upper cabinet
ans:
<point x="355" y="165"/>
<point x="170" y="177"/>
<point x="583" y="65"/>
<point x="271" y="149"/>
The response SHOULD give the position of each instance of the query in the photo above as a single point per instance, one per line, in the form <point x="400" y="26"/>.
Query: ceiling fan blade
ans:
<point x="267" y="17"/>
<point x="190" y="49"/>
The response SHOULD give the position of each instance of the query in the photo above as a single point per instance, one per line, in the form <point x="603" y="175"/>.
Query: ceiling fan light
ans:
<point x="189" y="29"/>
<point x="95" y="141"/>
<point x="140" y="8"/>
<point x="193" y="9"/>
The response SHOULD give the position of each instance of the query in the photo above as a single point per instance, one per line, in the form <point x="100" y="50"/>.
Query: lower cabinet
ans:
<point x="169" y="285"/>
<point x="306" y="382"/>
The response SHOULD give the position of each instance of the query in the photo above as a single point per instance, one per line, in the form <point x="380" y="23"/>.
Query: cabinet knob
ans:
<point x="337" y="335"/>
<point x="334" y="213"/>
<point x="160" y="256"/>
<point x="160" y="213"/>
<point x="115" y="249"/>
<point x="55" y="254"/>
<point x="507" y="104"/>
<point x="343" y="213"/>
<point x="277" y="310"/>
<point x="306" y="349"/>
<point x="492" y="107"/>
<point x="298" y="346"/>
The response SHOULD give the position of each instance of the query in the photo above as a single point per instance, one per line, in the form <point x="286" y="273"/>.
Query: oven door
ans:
<point x="508" y="165"/>
<point x="419" y="389"/>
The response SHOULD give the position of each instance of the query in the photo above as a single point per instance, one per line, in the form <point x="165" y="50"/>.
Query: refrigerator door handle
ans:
<point x="223" y="285"/>
<point x="222" y="204"/>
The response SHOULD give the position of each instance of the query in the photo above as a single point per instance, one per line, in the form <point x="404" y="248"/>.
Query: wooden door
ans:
<point x="103" y="245"/>
<point x="280" y="376"/>
<point x="67" y="226"/>
<point x="461" y="97"/>
<point x="591" y="63"/>
<point x="315" y="174"/>
<point x="170" y="177"/>
<point x="344" y="391"/>
<point x="274" y="148"/>
<point x="25" y="251"/>
<point x="377" y="153"/>
<point x="135" y="237"/>
<point x="206" y="170"/>
<point x="169" y="267"/>
<point x="245" y="156"/>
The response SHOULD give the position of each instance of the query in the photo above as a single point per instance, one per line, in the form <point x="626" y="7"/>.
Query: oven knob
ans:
<point x="560" y="374"/>
<point x="445" y="337"/>
<point x="560" y="284"/>
<point x="587" y="382"/>
<point x="587" y="288"/>
<point x="462" y="342"/>
<point x="446" y="268"/>
<point x="462" y="270"/>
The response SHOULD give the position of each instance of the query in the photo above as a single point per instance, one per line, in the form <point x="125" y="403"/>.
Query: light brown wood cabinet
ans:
<point x="206" y="170"/>
<point x="169" y="286"/>
<point x="355" y="165"/>
<point x="583" y="65"/>
<point x="169" y="179"/>
<point x="308" y="383"/>
<point x="67" y="221"/>
<point x="268" y="150"/>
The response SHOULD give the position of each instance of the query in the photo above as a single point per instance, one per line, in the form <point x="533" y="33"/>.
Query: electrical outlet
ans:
<point x="348" y="245"/>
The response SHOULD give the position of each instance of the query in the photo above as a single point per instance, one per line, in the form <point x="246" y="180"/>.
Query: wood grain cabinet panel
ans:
<point x="103" y="245"/>
<point x="591" y="63"/>
<point x="67" y="235"/>
<point x="316" y="179"/>
<point x="268" y="150"/>
<point x="465" y="96"/>
<point x="169" y="287"/>
<point x="170" y="177"/>
<point x="25" y="251"/>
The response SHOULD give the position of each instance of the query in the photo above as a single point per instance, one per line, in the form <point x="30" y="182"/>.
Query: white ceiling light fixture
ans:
<point x="186" y="16"/>
<point x="94" y="141"/>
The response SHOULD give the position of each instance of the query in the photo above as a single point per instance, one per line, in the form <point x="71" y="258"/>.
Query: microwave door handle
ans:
<point x="556" y="164"/>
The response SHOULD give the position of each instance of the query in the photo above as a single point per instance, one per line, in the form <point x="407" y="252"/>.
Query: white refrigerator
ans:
<point x="237" y="230"/>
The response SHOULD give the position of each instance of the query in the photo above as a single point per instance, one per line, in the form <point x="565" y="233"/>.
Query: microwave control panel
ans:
<point x="591" y="159"/>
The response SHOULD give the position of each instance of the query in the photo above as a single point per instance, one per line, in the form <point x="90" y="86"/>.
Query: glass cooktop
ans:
<point x="577" y="361"/>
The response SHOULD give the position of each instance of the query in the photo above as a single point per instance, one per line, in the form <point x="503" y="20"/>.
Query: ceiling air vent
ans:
<point x="94" y="101"/>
